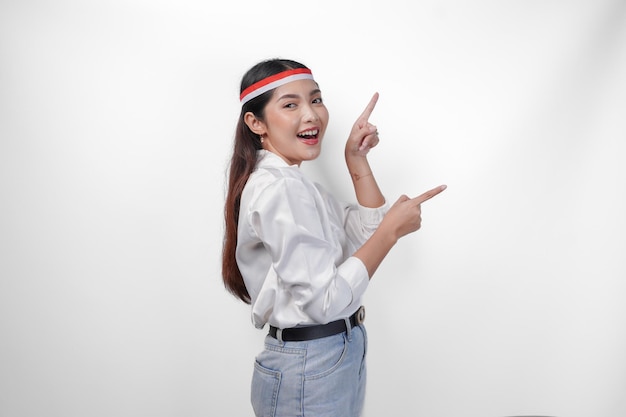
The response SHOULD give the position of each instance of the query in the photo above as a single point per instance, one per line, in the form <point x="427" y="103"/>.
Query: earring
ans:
<point x="261" y="138"/>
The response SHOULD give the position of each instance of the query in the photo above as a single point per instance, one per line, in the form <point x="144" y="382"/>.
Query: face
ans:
<point x="295" y="122"/>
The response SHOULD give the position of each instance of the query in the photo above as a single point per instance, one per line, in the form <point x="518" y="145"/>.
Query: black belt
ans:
<point x="299" y="334"/>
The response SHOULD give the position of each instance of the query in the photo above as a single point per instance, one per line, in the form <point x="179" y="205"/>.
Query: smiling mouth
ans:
<point x="309" y="137"/>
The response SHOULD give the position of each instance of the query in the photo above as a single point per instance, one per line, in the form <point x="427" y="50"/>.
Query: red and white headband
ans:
<point x="273" y="81"/>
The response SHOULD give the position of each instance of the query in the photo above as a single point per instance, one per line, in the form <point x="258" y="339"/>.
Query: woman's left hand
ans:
<point x="364" y="135"/>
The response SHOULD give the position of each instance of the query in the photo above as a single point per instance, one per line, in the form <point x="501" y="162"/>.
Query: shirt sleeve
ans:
<point x="359" y="222"/>
<point x="291" y="220"/>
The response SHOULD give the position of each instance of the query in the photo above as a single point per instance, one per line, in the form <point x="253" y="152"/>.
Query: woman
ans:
<point x="298" y="256"/>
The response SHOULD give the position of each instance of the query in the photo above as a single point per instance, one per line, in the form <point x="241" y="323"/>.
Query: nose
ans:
<point x="310" y="114"/>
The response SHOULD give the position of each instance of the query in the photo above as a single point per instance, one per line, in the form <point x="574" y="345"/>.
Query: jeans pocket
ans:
<point x="264" y="394"/>
<point x="325" y="356"/>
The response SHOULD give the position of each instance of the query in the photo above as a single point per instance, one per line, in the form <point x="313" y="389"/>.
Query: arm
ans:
<point x="404" y="216"/>
<point x="363" y="137"/>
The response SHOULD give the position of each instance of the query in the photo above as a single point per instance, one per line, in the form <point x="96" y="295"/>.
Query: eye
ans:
<point x="317" y="100"/>
<point x="290" y="106"/>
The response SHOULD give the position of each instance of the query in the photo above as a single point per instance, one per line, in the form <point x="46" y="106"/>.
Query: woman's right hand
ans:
<point x="404" y="216"/>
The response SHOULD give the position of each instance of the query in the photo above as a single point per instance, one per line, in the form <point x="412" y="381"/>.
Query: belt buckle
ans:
<point x="360" y="315"/>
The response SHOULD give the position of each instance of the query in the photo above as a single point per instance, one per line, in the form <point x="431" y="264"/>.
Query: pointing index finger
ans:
<point x="429" y="194"/>
<point x="369" y="109"/>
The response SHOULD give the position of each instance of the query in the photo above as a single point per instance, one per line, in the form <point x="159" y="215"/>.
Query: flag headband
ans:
<point x="274" y="81"/>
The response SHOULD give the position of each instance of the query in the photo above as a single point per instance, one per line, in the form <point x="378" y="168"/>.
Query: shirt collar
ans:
<point x="268" y="159"/>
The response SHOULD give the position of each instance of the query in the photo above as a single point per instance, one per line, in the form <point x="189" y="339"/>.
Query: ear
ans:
<point x="255" y="125"/>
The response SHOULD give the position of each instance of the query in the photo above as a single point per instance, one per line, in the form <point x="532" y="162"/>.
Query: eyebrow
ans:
<point x="292" y="96"/>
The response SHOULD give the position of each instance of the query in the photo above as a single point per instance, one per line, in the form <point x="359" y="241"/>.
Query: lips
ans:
<point x="309" y="137"/>
<point x="310" y="141"/>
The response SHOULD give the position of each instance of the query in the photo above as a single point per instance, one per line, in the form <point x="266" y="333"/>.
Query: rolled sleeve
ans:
<point x="371" y="217"/>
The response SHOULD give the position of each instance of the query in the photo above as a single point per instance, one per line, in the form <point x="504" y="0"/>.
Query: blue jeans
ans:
<point x="322" y="378"/>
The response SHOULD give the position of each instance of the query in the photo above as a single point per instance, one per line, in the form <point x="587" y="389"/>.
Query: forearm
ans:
<point x="375" y="249"/>
<point x="366" y="188"/>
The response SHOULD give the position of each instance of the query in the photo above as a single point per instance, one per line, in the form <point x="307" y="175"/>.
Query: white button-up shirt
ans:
<point x="295" y="244"/>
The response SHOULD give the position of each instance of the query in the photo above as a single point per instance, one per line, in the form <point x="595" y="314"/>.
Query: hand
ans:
<point x="363" y="135"/>
<point x="404" y="216"/>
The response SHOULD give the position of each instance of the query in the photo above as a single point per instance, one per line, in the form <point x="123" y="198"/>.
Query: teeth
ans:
<point x="308" y="133"/>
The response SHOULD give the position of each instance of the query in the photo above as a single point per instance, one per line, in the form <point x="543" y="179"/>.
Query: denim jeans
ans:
<point x="316" y="378"/>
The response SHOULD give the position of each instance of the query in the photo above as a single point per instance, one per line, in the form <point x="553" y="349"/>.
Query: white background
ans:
<point x="116" y="120"/>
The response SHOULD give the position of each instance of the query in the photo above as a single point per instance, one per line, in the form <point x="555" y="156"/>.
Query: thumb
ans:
<point x="402" y="199"/>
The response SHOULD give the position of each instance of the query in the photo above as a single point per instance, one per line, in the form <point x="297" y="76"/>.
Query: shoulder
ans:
<point x="269" y="182"/>
<point x="272" y="177"/>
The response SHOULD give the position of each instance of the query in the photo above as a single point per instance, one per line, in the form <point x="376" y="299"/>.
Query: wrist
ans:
<point x="357" y="162"/>
<point x="388" y="233"/>
<point x="386" y="242"/>
<point x="358" y="168"/>
<point x="355" y="156"/>
<point x="358" y="175"/>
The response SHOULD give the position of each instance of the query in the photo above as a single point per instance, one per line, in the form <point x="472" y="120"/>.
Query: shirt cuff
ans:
<point x="354" y="272"/>
<point x="372" y="216"/>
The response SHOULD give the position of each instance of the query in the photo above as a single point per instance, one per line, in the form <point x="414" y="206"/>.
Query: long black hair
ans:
<point x="242" y="164"/>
